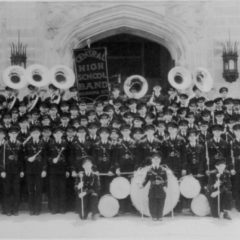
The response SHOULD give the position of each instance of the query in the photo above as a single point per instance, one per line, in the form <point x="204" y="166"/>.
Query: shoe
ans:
<point x="90" y="215"/>
<point x="95" y="216"/>
<point x="160" y="219"/>
<point x="154" y="219"/>
<point x="227" y="216"/>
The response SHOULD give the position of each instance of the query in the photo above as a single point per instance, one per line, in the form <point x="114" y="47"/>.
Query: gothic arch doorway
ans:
<point x="129" y="54"/>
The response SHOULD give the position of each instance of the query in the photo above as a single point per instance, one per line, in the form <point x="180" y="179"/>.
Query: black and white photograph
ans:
<point x="120" y="119"/>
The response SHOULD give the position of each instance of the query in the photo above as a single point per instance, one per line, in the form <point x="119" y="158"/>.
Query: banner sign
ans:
<point x="91" y="73"/>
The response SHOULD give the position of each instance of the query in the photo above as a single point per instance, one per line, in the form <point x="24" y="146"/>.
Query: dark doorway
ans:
<point x="129" y="54"/>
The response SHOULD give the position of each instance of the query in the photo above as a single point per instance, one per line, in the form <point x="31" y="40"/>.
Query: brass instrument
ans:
<point x="180" y="78"/>
<point x="135" y="86"/>
<point x="203" y="80"/>
<point x="56" y="159"/>
<point x="62" y="76"/>
<point x="15" y="77"/>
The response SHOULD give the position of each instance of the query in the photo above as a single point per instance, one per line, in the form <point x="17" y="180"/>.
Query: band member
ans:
<point x="223" y="91"/>
<point x="11" y="98"/>
<point x="55" y="95"/>
<point x="218" y="149"/>
<point x="32" y="100"/>
<point x="74" y="99"/>
<point x="87" y="186"/>
<point x="151" y="143"/>
<point x="11" y="172"/>
<point x="174" y="151"/>
<point x="102" y="159"/>
<point x="235" y="155"/>
<point x="81" y="148"/>
<point x="36" y="169"/>
<point x="195" y="155"/>
<point x="157" y="193"/>
<point x="204" y="135"/>
<point x="82" y="108"/>
<point x="220" y="194"/>
<point x="58" y="171"/>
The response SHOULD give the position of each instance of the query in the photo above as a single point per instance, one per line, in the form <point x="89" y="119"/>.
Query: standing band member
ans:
<point x="11" y="172"/>
<point x="58" y="171"/>
<point x="157" y="194"/>
<point x="36" y="169"/>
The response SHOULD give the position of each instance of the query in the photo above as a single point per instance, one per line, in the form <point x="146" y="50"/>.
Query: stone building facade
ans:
<point x="192" y="31"/>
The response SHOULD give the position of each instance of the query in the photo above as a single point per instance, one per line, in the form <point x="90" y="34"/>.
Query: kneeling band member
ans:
<point x="220" y="198"/>
<point x="157" y="194"/>
<point x="87" y="186"/>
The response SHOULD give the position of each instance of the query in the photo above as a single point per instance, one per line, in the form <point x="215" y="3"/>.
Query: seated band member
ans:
<point x="87" y="187"/>
<point x="157" y="193"/>
<point x="220" y="187"/>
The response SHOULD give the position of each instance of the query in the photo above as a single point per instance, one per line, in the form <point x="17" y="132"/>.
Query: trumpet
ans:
<point x="56" y="159"/>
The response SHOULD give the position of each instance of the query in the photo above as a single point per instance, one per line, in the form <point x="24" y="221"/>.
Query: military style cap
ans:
<point x="219" y="113"/>
<point x="183" y="96"/>
<point x="217" y="127"/>
<point x="137" y="130"/>
<point x="93" y="125"/>
<point x="236" y="127"/>
<point x="125" y="127"/>
<point x="73" y="89"/>
<point x="183" y="123"/>
<point x="35" y="128"/>
<point x="14" y="129"/>
<point x="223" y="89"/>
<point x="149" y="127"/>
<point x="103" y="130"/>
<point x="172" y="125"/>
<point x="51" y="86"/>
<point x="31" y="87"/>
<point x="209" y="103"/>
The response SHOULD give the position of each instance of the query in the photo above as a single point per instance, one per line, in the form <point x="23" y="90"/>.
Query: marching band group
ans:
<point x="72" y="152"/>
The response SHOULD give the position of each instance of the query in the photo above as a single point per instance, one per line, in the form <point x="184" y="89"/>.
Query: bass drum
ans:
<point x="139" y="196"/>
<point x="120" y="187"/>
<point x="200" y="206"/>
<point x="108" y="206"/>
<point x="189" y="186"/>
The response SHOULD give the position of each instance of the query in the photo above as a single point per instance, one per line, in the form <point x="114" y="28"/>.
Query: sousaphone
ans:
<point x="180" y="78"/>
<point x="62" y="76"/>
<point x="15" y="77"/>
<point x="135" y="86"/>
<point x="37" y="75"/>
<point x="202" y="79"/>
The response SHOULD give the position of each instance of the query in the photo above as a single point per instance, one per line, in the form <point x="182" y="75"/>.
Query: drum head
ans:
<point x="200" y="206"/>
<point x="108" y="206"/>
<point x="190" y="187"/>
<point x="120" y="187"/>
<point x="139" y="196"/>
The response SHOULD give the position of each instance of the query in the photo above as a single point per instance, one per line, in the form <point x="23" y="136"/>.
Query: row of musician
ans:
<point x="60" y="159"/>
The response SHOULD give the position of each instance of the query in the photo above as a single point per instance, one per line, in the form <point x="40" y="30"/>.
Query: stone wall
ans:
<point x="192" y="30"/>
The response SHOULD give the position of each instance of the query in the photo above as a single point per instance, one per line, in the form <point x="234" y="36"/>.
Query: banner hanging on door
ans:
<point x="92" y="73"/>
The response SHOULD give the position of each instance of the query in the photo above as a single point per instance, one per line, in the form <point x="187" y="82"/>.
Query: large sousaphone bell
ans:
<point x="62" y="77"/>
<point x="180" y="78"/>
<point x="37" y="75"/>
<point x="15" y="77"/>
<point x="202" y="79"/>
<point x="135" y="86"/>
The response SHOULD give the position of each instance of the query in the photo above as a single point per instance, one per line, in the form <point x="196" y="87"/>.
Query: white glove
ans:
<point x="118" y="172"/>
<point x="43" y="174"/>
<point x="67" y="174"/>
<point x="74" y="174"/>
<point x="55" y="160"/>
<point x="82" y="194"/>
<point x="80" y="185"/>
<point x="31" y="159"/>
<point x="3" y="174"/>
<point x="21" y="174"/>
<point x="214" y="194"/>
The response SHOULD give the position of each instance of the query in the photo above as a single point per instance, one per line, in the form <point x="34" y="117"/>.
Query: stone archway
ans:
<point x="124" y="19"/>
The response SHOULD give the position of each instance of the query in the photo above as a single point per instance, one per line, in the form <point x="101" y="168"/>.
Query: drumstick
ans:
<point x="82" y="205"/>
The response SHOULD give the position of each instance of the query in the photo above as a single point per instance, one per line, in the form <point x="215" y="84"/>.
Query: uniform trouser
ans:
<point x="104" y="184"/>
<point x="90" y="205"/>
<point x="34" y="185"/>
<point x="70" y="194"/>
<point x="236" y="190"/>
<point x="57" y="187"/>
<point x="225" y="203"/>
<point x="156" y="206"/>
<point x="11" y="192"/>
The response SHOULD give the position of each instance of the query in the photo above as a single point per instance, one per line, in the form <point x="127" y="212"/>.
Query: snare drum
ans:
<point x="189" y="186"/>
<point x="120" y="187"/>
<point x="108" y="206"/>
<point x="139" y="196"/>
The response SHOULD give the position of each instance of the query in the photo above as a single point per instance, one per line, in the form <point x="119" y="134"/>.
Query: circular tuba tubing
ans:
<point x="37" y="75"/>
<point x="180" y="78"/>
<point x="202" y="79"/>
<point x="62" y="76"/>
<point x="15" y="77"/>
<point x="135" y="86"/>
